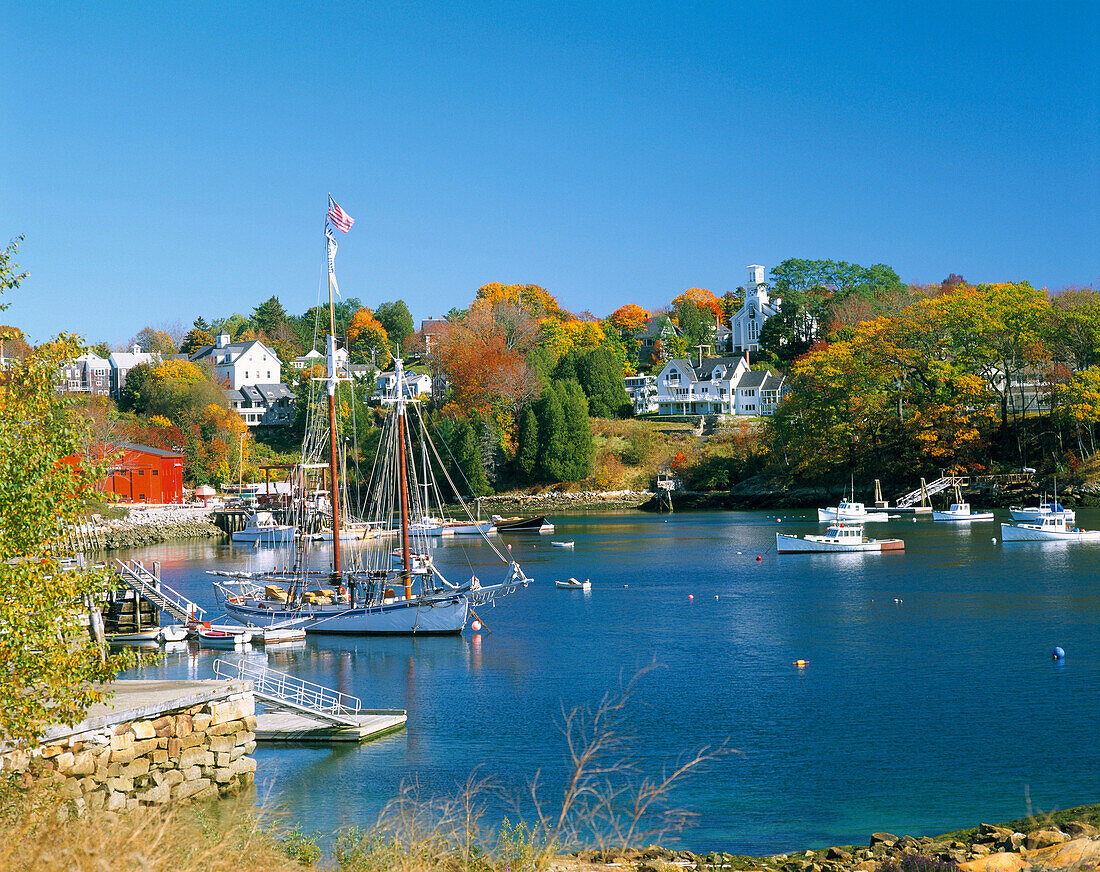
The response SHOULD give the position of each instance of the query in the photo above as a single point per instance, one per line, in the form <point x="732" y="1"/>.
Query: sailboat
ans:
<point x="372" y="596"/>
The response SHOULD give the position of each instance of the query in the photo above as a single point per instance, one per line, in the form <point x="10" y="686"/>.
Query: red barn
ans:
<point x="146" y="475"/>
<point x="142" y="474"/>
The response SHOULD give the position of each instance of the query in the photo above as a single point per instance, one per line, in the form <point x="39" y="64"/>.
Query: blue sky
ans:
<point x="172" y="160"/>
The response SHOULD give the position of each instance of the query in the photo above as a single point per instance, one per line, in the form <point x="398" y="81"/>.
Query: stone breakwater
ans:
<point x="550" y="501"/>
<point x="1070" y="845"/>
<point x="145" y="526"/>
<point x="186" y="754"/>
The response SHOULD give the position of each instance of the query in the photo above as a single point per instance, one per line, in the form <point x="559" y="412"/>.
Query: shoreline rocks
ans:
<point x="145" y="525"/>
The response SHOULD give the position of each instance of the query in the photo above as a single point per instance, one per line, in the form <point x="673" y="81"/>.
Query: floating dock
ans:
<point x="283" y="726"/>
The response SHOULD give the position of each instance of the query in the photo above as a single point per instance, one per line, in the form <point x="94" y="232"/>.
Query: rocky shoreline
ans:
<point x="551" y="501"/>
<point x="1071" y="843"/>
<point x="145" y="526"/>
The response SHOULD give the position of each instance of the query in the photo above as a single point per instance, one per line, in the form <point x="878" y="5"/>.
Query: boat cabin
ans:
<point x="845" y="533"/>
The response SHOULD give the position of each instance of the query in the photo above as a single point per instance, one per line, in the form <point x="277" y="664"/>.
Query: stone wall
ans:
<point x="193" y="753"/>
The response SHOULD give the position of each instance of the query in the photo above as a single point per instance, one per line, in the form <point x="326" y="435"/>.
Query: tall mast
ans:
<point x="334" y="477"/>
<point x="406" y="558"/>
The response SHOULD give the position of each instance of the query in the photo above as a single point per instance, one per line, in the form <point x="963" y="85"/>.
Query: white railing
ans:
<point x="142" y="581"/>
<point x="939" y="485"/>
<point x="287" y="691"/>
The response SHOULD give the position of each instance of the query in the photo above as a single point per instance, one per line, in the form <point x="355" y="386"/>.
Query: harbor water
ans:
<point x="928" y="701"/>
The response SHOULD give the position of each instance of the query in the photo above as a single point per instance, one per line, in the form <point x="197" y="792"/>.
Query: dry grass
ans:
<point x="41" y="835"/>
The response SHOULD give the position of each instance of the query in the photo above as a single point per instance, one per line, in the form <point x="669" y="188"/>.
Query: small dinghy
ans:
<point x="574" y="584"/>
<point x="279" y="636"/>
<point x="222" y="636"/>
<point x="563" y="544"/>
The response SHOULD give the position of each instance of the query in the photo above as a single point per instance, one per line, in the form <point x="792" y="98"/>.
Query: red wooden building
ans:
<point x="142" y="474"/>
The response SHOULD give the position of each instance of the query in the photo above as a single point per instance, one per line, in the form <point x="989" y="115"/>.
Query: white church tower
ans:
<point x="746" y="324"/>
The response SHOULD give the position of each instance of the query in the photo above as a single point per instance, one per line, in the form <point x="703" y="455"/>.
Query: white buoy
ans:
<point x="994" y="540"/>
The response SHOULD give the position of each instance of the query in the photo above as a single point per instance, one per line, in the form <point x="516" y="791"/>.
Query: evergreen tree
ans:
<point x="489" y="446"/>
<point x="578" y="438"/>
<point x="553" y="449"/>
<point x="467" y="458"/>
<point x="268" y="317"/>
<point x="130" y="398"/>
<point x="527" y="450"/>
<point x="600" y="375"/>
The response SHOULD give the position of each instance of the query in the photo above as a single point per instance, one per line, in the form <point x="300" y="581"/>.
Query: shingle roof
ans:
<point x="704" y="371"/>
<point x="159" y="452"/>
<point x="752" y="379"/>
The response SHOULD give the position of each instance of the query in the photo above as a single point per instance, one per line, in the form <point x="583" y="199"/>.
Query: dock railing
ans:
<point x="280" y="690"/>
<point x="146" y="584"/>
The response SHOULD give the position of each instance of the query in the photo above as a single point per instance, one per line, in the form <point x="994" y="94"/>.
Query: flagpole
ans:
<point x="333" y="474"/>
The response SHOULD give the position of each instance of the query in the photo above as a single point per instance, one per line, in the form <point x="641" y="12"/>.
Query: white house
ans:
<point x="716" y="386"/>
<point x="270" y="405"/>
<point x="416" y="384"/>
<point x="121" y="362"/>
<point x="748" y="321"/>
<point x="236" y="364"/>
<point x="88" y="374"/>
<point x="642" y="390"/>
<point x="314" y="357"/>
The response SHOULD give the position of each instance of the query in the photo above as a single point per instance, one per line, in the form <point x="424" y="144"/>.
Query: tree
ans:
<point x="467" y="458"/>
<point x="153" y="341"/>
<point x="697" y="324"/>
<point x="553" y="457"/>
<point x="732" y="301"/>
<point x="702" y="298"/>
<point x="536" y="301"/>
<point x="629" y="319"/>
<point x="368" y="339"/>
<point x="13" y="344"/>
<point x="600" y="375"/>
<point x="196" y="338"/>
<point x="527" y="453"/>
<point x="100" y="348"/>
<point x="578" y="455"/>
<point x="236" y="325"/>
<point x="268" y="317"/>
<point x="179" y="391"/>
<point x="130" y="399"/>
<point x="396" y="321"/>
<point x="48" y="664"/>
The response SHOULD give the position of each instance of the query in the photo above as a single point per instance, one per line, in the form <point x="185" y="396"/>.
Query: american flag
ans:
<point x="338" y="216"/>
<point x="332" y="259"/>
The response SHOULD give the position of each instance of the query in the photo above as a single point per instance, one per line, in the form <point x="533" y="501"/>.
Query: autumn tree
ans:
<point x="179" y="391"/>
<point x="629" y="319"/>
<point x="536" y="301"/>
<point x="702" y="298"/>
<point x="153" y="341"/>
<point x="197" y="338"/>
<point x="368" y="339"/>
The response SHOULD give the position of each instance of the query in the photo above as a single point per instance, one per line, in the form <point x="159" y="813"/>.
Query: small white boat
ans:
<point x="173" y="633"/>
<point x="223" y="636"/>
<point x="278" y="636"/>
<point x="563" y="544"/>
<point x="850" y="511"/>
<point x="575" y="584"/>
<point x="1043" y="510"/>
<point x="838" y="537"/>
<point x="474" y="528"/>
<point x="960" y="512"/>
<point x="1051" y="528"/>
<point x="263" y="529"/>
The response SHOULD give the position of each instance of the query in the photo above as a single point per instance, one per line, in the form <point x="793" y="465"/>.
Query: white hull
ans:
<point x="400" y="617"/>
<point x="573" y="584"/>
<point x="269" y="536"/>
<point x="833" y="514"/>
<point x="1014" y="533"/>
<point x="222" y="639"/>
<point x="484" y="527"/>
<point x="786" y="544"/>
<point x="961" y="516"/>
<point x="1034" y="515"/>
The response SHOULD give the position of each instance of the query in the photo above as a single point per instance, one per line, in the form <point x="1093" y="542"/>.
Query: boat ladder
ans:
<point x="144" y="583"/>
<point x="921" y="494"/>
<point x="282" y="691"/>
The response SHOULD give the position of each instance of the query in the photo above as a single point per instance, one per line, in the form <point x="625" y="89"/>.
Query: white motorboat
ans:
<point x="263" y="529"/>
<point x="1035" y="514"/>
<point x="849" y="510"/>
<point x="473" y="528"/>
<point x="171" y="633"/>
<point x="960" y="511"/>
<point x="574" y="584"/>
<point x="839" y="536"/>
<point x="1050" y="528"/>
<point x="563" y="544"/>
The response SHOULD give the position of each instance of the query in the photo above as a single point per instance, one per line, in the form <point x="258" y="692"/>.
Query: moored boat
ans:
<point x="574" y="584"/>
<point x="263" y="529"/>
<point x="1050" y="528"/>
<point x="534" y="524"/>
<point x="960" y="511"/>
<point x="223" y="637"/>
<point x="849" y="510"/>
<point x="839" y="536"/>
<point x="1035" y="514"/>
<point x="563" y="544"/>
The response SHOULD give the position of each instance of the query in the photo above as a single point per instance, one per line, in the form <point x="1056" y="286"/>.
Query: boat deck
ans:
<point x="279" y="726"/>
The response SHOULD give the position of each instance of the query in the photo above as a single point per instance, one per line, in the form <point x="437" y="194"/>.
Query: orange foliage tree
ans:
<point x="535" y="300"/>
<point x="367" y="338"/>
<point x="629" y="319"/>
<point x="700" y="297"/>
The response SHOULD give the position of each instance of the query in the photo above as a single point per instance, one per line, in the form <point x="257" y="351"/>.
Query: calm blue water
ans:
<point x="939" y="711"/>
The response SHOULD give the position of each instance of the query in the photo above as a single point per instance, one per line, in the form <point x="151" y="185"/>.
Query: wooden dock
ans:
<point x="279" y="726"/>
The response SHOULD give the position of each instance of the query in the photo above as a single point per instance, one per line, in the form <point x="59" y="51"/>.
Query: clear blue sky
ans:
<point x="172" y="160"/>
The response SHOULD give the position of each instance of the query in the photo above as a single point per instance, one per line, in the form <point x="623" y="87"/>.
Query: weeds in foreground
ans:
<point x="606" y="801"/>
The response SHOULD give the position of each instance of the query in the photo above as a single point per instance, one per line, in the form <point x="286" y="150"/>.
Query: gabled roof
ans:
<point x="705" y="371"/>
<point x="655" y="326"/>
<point x="752" y="379"/>
<point x="772" y="382"/>
<point x="237" y="349"/>
<point x="128" y="360"/>
<point x="159" y="452"/>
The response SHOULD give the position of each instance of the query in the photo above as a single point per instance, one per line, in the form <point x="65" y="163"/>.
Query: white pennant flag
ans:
<point x="332" y="260"/>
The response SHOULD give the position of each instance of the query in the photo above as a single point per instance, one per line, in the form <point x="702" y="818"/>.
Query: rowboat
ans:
<point x="563" y="544"/>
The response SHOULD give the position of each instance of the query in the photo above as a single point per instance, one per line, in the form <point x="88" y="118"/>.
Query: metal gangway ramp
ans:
<point x="147" y="585"/>
<point x="921" y="494"/>
<point x="281" y="691"/>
